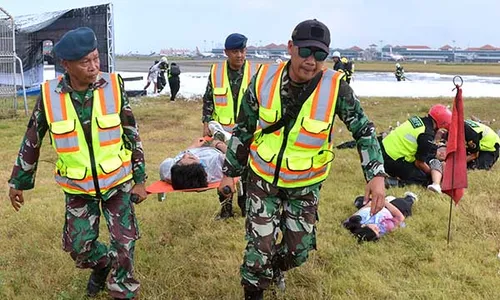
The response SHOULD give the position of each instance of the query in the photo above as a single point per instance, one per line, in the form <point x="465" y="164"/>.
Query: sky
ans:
<point x="146" y="26"/>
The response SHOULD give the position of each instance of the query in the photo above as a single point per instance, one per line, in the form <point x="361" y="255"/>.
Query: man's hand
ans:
<point x="206" y="132"/>
<point x="16" y="198"/>
<point x="376" y="189"/>
<point x="226" y="182"/>
<point x="139" y="190"/>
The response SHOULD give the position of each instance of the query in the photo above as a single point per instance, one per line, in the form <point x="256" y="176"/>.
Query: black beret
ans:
<point x="76" y="44"/>
<point x="235" y="41"/>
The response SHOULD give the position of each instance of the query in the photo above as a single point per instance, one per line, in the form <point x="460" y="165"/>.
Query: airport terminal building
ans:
<point x="446" y="53"/>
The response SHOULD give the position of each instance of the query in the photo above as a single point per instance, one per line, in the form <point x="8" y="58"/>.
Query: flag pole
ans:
<point x="449" y="220"/>
<point x="452" y="184"/>
<point x="455" y="109"/>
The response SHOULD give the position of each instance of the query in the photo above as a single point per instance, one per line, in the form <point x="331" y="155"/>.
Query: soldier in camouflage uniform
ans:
<point x="284" y="134"/>
<point x="85" y="93"/>
<point x="222" y="100"/>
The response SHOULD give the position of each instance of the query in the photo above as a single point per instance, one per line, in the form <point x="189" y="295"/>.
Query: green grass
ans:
<point x="185" y="254"/>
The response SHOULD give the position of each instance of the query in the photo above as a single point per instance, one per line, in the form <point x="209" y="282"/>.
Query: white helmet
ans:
<point x="164" y="59"/>
<point x="398" y="65"/>
<point x="336" y="54"/>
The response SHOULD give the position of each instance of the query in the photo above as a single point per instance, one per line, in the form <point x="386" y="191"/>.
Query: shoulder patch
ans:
<point x="416" y="122"/>
<point x="472" y="123"/>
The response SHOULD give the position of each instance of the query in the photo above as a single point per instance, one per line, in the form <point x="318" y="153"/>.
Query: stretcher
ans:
<point x="162" y="188"/>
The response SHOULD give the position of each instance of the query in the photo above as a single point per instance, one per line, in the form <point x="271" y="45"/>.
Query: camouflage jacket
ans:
<point x="24" y="171"/>
<point x="348" y="108"/>
<point x="235" y="78"/>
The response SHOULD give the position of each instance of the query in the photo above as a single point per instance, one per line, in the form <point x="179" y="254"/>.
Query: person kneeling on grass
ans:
<point x="201" y="164"/>
<point x="370" y="228"/>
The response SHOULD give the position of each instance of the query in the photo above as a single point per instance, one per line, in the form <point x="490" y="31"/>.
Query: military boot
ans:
<point x="279" y="279"/>
<point x="226" y="210"/>
<point x="254" y="295"/>
<point x="97" y="280"/>
<point x="242" y="201"/>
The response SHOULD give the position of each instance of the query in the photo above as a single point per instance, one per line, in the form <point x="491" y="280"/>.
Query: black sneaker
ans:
<point x="97" y="280"/>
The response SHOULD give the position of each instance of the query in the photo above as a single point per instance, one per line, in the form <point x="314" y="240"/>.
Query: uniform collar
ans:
<point x="64" y="87"/>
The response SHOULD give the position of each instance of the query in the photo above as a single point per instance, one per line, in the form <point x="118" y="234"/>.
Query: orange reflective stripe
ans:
<point x="273" y="88"/>
<point x="116" y="94"/>
<point x="109" y="96"/>
<point x="69" y="149"/>
<point x="48" y="106"/>
<point x="333" y="93"/>
<point x="110" y="142"/>
<point x="276" y="79"/>
<point x="310" y="140"/>
<point x="214" y="77"/>
<point x="102" y="100"/>
<point x="249" y="73"/>
<point x="263" y="73"/>
<point x="75" y="187"/>
<point x="66" y="142"/>
<point x="223" y="74"/>
<point x="104" y="176"/>
<point x="320" y="172"/>
<point x="315" y="99"/>
<point x="62" y="98"/>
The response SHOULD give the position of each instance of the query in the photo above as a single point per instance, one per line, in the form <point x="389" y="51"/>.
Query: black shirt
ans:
<point x="426" y="148"/>
<point x="472" y="139"/>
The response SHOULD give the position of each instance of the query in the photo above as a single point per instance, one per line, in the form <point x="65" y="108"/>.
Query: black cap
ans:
<point x="312" y="33"/>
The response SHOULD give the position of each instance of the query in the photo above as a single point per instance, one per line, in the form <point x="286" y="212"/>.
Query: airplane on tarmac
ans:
<point x="395" y="57"/>
<point x="260" y="55"/>
<point x="204" y="54"/>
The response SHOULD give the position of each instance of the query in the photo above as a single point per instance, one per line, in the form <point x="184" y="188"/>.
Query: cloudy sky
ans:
<point x="150" y="25"/>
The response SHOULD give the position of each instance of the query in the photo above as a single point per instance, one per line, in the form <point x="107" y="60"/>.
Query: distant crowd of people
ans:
<point x="156" y="75"/>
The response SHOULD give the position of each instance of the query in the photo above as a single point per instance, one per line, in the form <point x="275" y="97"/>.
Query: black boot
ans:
<point x="226" y="210"/>
<point x="242" y="201"/>
<point x="254" y="295"/>
<point x="97" y="280"/>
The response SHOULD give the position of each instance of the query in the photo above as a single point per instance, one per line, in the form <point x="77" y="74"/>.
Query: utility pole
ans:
<point x="454" y="47"/>
<point x="381" y="50"/>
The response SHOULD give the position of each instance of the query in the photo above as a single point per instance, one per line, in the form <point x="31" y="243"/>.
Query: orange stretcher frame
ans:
<point x="162" y="188"/>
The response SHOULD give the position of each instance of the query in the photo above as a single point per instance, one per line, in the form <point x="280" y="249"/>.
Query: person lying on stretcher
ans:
<point x="201" y="164"/>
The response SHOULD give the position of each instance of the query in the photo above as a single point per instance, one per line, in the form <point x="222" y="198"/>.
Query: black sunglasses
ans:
<point x="319" y="55"/>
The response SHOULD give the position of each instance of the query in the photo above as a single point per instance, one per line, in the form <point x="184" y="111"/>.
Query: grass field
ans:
<point x="185" y="254"/>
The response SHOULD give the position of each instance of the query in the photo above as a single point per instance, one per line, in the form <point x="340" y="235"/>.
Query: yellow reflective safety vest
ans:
<point x="302" y="156"/>
<point x="402" y="141"/>
<point x="489" y="139"/>
<point x="84" y="168"/>
<point x="223" y="96"/>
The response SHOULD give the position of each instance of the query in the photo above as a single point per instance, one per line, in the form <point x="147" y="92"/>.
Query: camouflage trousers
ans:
<point x="81" y="230"/>
<point x="269" y="210"/>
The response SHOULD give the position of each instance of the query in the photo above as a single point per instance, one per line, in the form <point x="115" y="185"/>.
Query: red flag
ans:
<point x="455" y="170"/>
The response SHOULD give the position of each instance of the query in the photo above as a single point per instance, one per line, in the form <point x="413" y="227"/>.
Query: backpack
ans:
<point x="175" y="70"/>
<point x="348" y="66"/>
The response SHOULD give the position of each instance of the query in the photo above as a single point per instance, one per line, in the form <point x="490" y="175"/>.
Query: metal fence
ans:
<point x="10" y="81"/>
